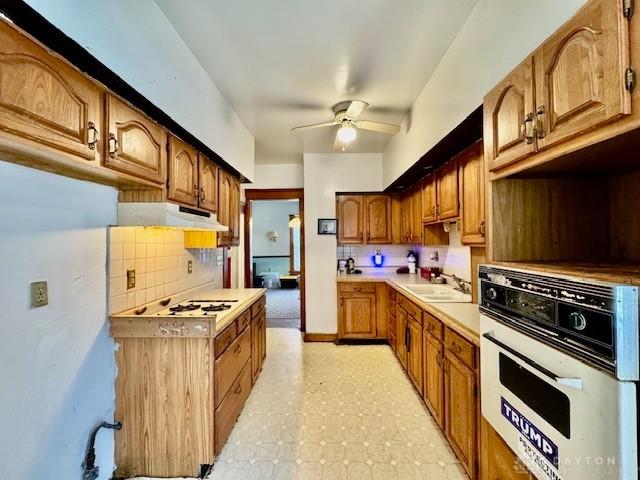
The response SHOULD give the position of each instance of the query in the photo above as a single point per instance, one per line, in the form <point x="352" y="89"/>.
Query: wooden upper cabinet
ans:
<point x="208" y="180"/>
<point x="447" y="188"/>
<point x="429" y="200"/>
<point x="229" y="209"/>
<point x="461" y="417"/>
<point x="433" y="352"/>
<point x="357" y="315"/>
<point x="45" y="101"/>
<point x="472" y="196"/>
<point x="183" y="173"/>
<point x="134" y="144"/>
<point x="509" y="119"/>
<point x="377" y="213"/>
<point x="350" y="218"/>
<point x="580" y="73"/>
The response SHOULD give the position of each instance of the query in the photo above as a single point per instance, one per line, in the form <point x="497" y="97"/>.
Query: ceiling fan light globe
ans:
<point x="347" y="134"/>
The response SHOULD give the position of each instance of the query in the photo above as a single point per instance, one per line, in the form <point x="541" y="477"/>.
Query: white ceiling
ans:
<point x="282" y="63"/>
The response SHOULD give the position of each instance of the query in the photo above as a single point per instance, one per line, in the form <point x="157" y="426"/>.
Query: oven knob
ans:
<point x="578" y="321"/>
<point x="492" y="294"/>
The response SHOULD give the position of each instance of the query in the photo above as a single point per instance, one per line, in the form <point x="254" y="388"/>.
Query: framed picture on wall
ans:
<point x="327" y="226"/>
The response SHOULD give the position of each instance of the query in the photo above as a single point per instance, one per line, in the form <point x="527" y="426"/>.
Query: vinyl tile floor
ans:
<point x="321" y="411"/>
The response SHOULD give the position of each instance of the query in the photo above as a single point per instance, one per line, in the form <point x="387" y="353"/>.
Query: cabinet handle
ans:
<point x="238" y="390"/>
<point x="113" y="145"/>
<point x="430" y="327"/>
<point x="196" y="193"/>
<point x="526" y="123"/>
<point x="539" y="130"/>
<point x="482" y="228"/>
<point x="92" y="136"/>
<point x="407" y="339"/>
<point x="433" y="210"/>
<point x="202" y="196"/>
<point x="237" y="349"/>
<point x="439" y="358"/>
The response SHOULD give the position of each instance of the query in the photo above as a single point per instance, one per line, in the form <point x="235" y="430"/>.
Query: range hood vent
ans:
<point x="165" y="214"/>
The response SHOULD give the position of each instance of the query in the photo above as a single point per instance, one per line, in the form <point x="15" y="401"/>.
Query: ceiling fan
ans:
<point x="346" y="115"/>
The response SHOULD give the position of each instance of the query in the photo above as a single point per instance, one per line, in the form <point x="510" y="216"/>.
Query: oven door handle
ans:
<point x="566" y="381"/>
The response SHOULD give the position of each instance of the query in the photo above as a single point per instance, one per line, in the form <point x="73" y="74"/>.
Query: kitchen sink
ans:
<point x="438" y="293"/>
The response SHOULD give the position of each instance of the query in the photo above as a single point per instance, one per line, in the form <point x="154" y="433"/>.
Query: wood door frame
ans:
<point x="275" y="194"/>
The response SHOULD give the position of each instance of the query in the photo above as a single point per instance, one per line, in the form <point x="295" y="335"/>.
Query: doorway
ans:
<point x="274" y="253"/>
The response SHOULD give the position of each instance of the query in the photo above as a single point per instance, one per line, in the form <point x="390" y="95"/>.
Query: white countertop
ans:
<point x="464" y="318"/>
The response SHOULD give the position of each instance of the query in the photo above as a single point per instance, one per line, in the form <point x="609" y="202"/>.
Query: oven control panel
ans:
<point x="576" y="317"/>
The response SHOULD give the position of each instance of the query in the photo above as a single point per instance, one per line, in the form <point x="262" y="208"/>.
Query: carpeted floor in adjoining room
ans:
<point x="283" y="308"/>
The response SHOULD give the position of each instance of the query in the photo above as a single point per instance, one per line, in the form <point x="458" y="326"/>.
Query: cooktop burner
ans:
<point x="216" y="308"/>
<point x="188" y="307"/>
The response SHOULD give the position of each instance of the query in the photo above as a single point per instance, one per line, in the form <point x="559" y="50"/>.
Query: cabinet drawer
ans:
<point x="244" y="320"/>
<point x="411" y="309"/>
<point x="257" y="307"/>
<point x="229" y="410"/>
<point x="432" y="325"/>
<point x="230" y="363"/>
<point x="369" y="287"/>
<point x="460" y="347"/>
<point x="224" y="339"/>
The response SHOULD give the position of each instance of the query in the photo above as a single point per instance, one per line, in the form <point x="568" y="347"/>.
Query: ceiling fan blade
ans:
<point x="378" y="127"/>
<point x="355" y="109"/>
<point x="315" y="125"/>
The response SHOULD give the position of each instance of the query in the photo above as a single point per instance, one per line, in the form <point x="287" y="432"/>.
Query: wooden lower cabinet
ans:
<point x="363" y="310"/>
<point x="401" y="335"/>
<point x="179" y="397"/>
<point x="461" y="417"/>
<point x="414" y="352"/>
<point x="258" y="342"/>
<point x="498" y="460"/>
<point x="433" y="392"/>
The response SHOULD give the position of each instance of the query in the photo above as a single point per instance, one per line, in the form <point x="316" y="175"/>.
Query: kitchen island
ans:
<point x="183" y="376"/>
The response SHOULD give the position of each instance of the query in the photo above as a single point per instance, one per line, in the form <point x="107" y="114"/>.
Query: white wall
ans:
<point x="57" y="361"/>
<point x="496" y="37"/>
<point x="271" y="215"/>
<point x="277" y="176"/>
<point x="137" y="42"/>
<point x="326" y="174"/>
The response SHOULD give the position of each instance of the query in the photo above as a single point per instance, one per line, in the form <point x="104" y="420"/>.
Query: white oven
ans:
<point x="548" y="374"/>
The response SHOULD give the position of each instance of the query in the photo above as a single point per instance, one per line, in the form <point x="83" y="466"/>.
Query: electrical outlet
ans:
<point x="190" y="266"/>
<point x="39" y="294"/>
<point x="131" y="279"/>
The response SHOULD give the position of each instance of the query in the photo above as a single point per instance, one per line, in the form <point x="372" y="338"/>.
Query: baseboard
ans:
<point x="320" y="337"/>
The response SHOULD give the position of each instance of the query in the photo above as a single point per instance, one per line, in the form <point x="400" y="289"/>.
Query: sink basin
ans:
<point x="438" y="293"/>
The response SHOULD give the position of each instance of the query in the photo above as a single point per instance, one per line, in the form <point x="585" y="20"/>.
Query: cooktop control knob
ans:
<point x="578" y="321"/>
<point x="492" y="294"/>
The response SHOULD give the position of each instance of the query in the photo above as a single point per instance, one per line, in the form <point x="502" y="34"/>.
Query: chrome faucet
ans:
<point x="463" y="285"/>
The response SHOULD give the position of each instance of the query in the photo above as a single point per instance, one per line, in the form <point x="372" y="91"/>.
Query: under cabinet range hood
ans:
<point x="165" y="214"/>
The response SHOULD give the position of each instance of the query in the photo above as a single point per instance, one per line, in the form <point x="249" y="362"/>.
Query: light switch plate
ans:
<point x="190" y="266"/>
<point x="131" y="279"/>
<point x="39" y="294"/>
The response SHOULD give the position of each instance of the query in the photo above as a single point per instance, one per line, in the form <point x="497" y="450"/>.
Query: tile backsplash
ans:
<point x="394" y="255"/>
<point x="160" y="262"/>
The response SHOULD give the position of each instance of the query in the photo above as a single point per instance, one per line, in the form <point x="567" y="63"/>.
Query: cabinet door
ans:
<point x="183" y="173"/>
<point x="580" y="73"/>
<point x="429" y="200"/>
<point x="433" y="377"/>
<point x="472" y="195"/>
<point x="509" y="118"/>
<point x="461" y="411"/>
<point x="45" y="101"/>
<point x="447" y="187"/>
<point x="416" y="215"/>
<point x="357" y="316"/>
<point x="498" y="461"/>
<point x="208" y="181"/>
<point x="350" y="219"/>
<point x="256" y="346"/>
<point x="134" y="144"/>
<point x="401" y="335"/>
<point x="225" y="183"/>
<point x="414" y="354"/>
<point x="378" y="218"/>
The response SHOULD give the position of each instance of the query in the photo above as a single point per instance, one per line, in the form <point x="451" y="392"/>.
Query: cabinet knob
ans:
<point x="202" y="196"/>
<point x="528" y="128"/>
<point x="539" y="130"/>
<point x="482" y="228"/>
